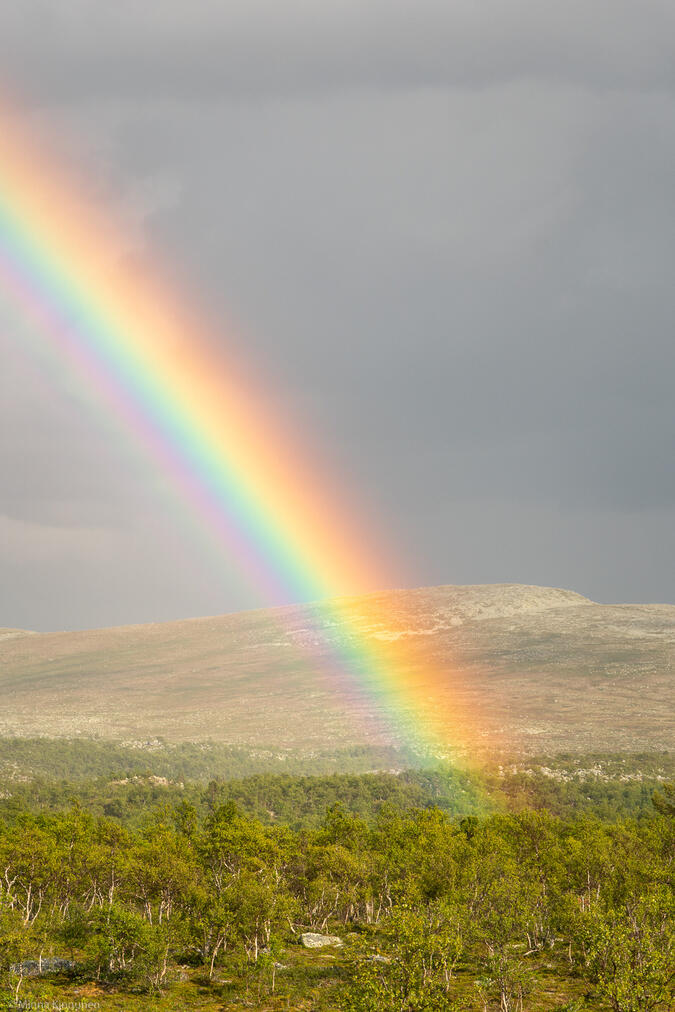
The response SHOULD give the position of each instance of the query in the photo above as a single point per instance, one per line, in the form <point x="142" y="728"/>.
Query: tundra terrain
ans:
<point x="539" y="670"/>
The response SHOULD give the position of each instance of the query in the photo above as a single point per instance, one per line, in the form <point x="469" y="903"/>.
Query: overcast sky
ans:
<point x="446" y="232"/>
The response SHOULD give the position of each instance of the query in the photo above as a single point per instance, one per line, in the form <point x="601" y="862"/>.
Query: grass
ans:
<point x="315" y="980"/>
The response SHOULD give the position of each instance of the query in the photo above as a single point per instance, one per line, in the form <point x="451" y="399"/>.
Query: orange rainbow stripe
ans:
<point x="158" y="370"/>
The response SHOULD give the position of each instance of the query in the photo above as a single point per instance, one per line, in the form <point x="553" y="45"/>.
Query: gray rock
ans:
<point x="312" y="940"/>
<point x="39" y="968"/>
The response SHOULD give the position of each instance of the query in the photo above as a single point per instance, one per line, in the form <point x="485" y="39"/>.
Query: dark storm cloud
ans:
<point x="444" y="234"/>
<point x="197" y="50"/>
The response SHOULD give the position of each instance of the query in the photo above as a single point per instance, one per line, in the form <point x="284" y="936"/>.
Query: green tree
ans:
<point x="503" y="899"/>
<point x="118" y="937"/>
<point x="664" y="800"/>
<point x="16" y="945"/>
<point x="631" y="953"/>
<point x="414" y="971"/>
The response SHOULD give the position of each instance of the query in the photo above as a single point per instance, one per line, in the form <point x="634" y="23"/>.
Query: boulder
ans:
<point x="39" y="968"/>
<point x="312" y="940"/>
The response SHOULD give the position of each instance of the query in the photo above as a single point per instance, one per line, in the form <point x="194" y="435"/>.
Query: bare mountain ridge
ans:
<point x="8" y="634"/>
<point x="547" y="669"/>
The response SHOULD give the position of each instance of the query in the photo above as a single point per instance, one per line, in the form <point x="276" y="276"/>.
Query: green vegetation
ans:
<point x="129" y="782"/>
<point x="534" y="887"/>
<point x="76" y="759"/>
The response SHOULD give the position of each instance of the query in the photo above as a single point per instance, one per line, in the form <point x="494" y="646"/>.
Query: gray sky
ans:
<point x="446" y="232"/>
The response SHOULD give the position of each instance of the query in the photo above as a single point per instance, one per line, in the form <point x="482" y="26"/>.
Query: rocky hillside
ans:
<point x="542" y="670"/>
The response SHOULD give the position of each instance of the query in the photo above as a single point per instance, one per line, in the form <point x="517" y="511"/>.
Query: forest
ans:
<point x="432" y="890"/>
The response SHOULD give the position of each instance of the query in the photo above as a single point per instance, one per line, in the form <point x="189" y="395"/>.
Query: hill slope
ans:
<point x="549" y="668"/>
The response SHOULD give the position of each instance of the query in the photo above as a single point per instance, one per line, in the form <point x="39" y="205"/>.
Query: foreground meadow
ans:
<point x="438" y="892"/>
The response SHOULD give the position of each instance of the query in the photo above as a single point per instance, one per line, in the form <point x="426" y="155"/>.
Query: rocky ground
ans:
<point x="538" y="670"/>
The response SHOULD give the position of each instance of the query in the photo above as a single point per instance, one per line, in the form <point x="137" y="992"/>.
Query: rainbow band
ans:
<point x="154" y="367"/>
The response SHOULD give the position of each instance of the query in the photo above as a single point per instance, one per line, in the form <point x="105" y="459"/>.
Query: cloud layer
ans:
<point x="445" y="233"/>
<point x="179" y="50"/>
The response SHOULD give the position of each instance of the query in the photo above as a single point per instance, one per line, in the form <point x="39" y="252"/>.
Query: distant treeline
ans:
<point x="128" y="784"/>
<point x="89" y="758"/>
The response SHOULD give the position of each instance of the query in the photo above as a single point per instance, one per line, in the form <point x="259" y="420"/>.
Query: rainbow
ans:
<point x="156" y="368"/>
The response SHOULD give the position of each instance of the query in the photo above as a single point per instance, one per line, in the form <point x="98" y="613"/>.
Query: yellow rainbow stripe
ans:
<point x="157" y="368"/>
